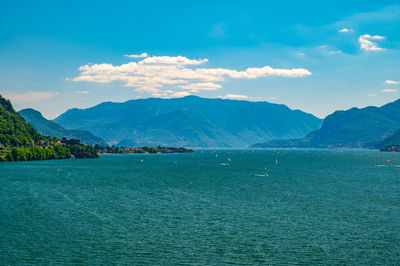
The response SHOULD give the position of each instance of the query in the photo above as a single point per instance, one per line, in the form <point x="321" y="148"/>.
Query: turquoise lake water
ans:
<point x="315" y="206"/>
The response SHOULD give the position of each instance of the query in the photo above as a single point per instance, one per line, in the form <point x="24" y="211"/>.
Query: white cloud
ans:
<point x="172" y="60"/>
<point x="272" y="98"/>
<point x="31" y="96"/>
<point x="142" y="55"/>
<point x="253" y="73"/>
<point x="147" y="89"/>
<point x="329" y="49"/>
<point x="346" y="30"/>
<point x="368" y="45"/>
<point x="180" y="94"/>
<point x="157" y="72"/>
<point x="82" y="92"/>
<point x="169" y="94"/>
<point x="195" y="87"/>
<point x="159" y="95"/>
<point x="372" y="95"/>
<point x="389" y="90"/>
<point x="235" y="96"/>
<point x="392" y="82"/>
<point x="335" y="52"/>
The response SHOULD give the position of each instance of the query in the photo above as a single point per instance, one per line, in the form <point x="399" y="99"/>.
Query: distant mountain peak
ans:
<point x="51" y="128"/>
<point x="242" y="122"/>
<point x="354" y="128"/>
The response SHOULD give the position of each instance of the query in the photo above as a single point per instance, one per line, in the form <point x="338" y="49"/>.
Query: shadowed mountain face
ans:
<point x="190" y="121"/>
<point x="391" y="140"/>
<point x="354" y="128"/>
<point x="181" y="129"/>
<point x="49" y="128"/>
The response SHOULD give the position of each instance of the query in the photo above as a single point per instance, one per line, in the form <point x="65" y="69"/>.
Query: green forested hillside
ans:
<point x="19" y="141"/>
<point x="14" y="131"/>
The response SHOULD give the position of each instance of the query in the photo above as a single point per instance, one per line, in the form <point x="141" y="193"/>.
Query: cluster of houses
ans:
<point x="44" y="143"/>
<point x="64" y="142"/>
<point x="134" y="150"/>
<point x="391" y="148"/>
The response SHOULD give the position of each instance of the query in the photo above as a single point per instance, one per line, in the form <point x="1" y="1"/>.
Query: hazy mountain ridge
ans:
<point x="241" y="122"/>
<point x="353" y="128"/>
<point x="50" y="128"/>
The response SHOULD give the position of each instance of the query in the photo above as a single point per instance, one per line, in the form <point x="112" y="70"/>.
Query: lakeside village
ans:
<point x="48" y="148"/>
<point x="392" y="148"/>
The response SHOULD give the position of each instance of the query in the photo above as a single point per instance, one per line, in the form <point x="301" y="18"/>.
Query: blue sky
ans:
<point x="310" y="55"/>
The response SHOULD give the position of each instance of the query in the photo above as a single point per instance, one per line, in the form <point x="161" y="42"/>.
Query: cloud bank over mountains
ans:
<point x="28" y="97"/>
<point x="163" y="75"/>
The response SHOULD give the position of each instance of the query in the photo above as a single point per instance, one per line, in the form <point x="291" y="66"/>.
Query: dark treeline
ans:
<point x="395" y="148"/>
<point x="49" y="149"/>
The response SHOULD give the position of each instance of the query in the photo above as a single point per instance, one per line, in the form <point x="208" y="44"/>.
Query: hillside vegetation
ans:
<point x="19" y="141"/>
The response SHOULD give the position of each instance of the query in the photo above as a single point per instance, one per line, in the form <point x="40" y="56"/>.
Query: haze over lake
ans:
<point x="211" y="207"/>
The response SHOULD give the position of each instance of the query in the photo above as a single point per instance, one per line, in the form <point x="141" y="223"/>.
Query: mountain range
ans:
<point x="190" y="121"/>
<point x="199" y="122"/>
<point x="355" y="128"/>
<point x="49" y="128"/>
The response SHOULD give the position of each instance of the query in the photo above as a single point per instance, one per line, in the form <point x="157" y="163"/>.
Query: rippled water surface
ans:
<point x="212" y="207"/>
